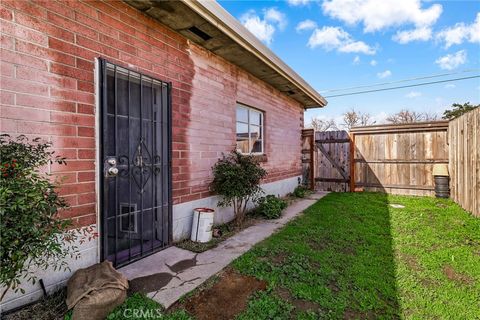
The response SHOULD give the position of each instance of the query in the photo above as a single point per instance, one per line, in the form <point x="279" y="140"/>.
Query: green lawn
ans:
<point x="353" y="256"/>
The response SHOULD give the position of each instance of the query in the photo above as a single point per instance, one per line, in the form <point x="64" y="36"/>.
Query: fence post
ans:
<point x="308" y="140"/>
<point x="352" y="161"/>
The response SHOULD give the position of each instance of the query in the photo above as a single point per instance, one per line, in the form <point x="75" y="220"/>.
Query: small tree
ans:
<point x="31" y="232"/>
<point x="458" y="110"/>
<point x="236" y="179"/>
<point x="409" y="116"/>
<point x="354" y="118"/>
<point x="318" y="124"/>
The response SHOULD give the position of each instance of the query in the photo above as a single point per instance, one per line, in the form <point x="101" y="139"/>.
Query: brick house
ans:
<point x="143" y="97"/>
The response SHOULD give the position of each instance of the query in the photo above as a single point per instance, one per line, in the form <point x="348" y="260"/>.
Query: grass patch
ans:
<point x="355" y="256"/>
<point x="139" y="306"/>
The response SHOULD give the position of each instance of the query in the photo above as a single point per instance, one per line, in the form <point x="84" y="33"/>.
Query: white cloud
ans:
<point x="356" y="60"/>
<point x="306" y="25"/>
<point x="331" y="38"/>
<point x="377" y="15"/>
<point x="450" y="86"/>
<point x="418" y="34"/>
<point x="413" y="94"/>
<point x="264" y="28"/>
<point x="380" y="117"/>
<point x="298" y="2"/>
<point x="460" y="32"/>
<point x="275" y="16"/>
<point x="373" y="63"/>
<point x="453" y="60"/>
<point x="384" y="74"/>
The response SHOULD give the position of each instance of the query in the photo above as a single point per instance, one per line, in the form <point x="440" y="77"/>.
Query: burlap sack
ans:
<point x="95" y="291"/>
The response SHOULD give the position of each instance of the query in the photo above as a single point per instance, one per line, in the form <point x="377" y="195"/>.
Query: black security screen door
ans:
<point x="135" y="154"/>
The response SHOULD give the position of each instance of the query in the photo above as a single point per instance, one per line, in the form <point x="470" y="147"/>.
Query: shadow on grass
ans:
<point x="336" y="261"/>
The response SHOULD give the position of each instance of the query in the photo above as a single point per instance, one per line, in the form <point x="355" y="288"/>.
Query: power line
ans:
<point x="400" y="87"/>
<point x="400" y="81"/>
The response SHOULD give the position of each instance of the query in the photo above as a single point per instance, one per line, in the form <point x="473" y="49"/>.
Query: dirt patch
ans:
<point x="299" y="304"/>
<point x="353" y="314"/>
<point x="48" y="308"/>
<point x="333" y="286"/>
<point x="317" y="245"/>
<point x="224" y="299"/>
<point x="225" y="231"/>
<point x="411" y="262"/>
<point x="348" y="250"/>
<point x="278" y="259"/>
<point x="453" y="275"/>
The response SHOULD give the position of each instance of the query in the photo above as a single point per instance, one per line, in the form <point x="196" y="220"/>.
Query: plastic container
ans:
<point x="202" y="224"/>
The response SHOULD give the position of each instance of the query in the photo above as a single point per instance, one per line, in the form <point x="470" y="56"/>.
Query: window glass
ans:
<point x="255" y="117"/>
<point x="249" y="124"/>
<point x="242" y="114"/>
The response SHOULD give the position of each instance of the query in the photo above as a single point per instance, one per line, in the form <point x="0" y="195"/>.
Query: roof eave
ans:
<point x="215" y="14"/>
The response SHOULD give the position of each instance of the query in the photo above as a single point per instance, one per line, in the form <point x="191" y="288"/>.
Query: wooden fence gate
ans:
<point x="332" y="161"/>
<point x="397" y="159"/>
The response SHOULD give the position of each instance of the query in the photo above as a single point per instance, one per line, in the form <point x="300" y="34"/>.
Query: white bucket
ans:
<point x="202" y="224"/>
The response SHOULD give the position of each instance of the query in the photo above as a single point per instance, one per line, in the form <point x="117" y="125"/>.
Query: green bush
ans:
<point x="31" y="232"/>
<point x="300" y="192"/>
<point x="271" y="207"/>
<point x="236" y="179"/>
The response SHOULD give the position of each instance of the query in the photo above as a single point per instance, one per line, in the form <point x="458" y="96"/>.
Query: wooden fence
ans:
<point x="308" y="159"/>
<point x="332" y="161"/>
<point x="398" y="158"/>
<point x="464" y="167"/>
<point x="390" y="158"/>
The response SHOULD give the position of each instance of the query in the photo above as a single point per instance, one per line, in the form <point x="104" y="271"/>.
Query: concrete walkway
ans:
<point x="173" y="272"/>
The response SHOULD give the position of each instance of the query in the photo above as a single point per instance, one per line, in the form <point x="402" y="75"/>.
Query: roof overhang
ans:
<point x="212" y="27"/>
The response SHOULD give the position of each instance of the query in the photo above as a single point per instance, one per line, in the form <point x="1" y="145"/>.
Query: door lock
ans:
<point x="112" y="172"/>
<point x="111" y="169"/>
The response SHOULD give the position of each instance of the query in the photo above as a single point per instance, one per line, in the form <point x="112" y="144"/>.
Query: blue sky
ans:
<point x="347" y="43"/>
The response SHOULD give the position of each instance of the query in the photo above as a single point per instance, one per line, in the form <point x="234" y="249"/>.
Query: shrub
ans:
<point x="236" y="179"/>
<point x="271" y="207"/>
<point x="300" y="192"/>
<point x="31" y="233"/>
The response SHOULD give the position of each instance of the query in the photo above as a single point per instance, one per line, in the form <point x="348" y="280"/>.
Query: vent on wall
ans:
<point x="199" y="33"/>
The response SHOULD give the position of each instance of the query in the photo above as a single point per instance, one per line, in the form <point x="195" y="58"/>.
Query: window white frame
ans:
<point x="248" y="123"/>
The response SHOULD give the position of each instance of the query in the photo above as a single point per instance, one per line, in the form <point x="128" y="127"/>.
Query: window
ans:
<point x="249" y="130"/>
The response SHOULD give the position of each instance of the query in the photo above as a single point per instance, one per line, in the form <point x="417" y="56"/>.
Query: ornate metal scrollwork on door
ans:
<point x="142" y="165"/>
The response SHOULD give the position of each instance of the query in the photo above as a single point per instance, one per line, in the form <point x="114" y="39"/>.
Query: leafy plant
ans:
<point x="300" y="192"/>
<point x="458" y="110"/>
<point x="271" y="207"/>
<point x="237" y="181"/>
<point x="31" y="232"/>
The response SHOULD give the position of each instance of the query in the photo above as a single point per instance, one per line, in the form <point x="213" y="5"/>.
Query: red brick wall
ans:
<point x="47" y="90"/>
